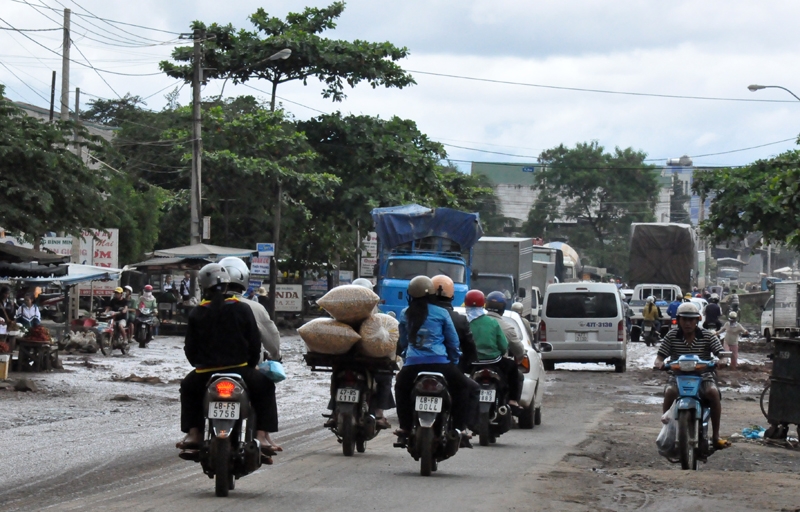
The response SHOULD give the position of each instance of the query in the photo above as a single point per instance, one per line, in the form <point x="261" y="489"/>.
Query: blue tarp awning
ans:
<point x="397" y="225"/>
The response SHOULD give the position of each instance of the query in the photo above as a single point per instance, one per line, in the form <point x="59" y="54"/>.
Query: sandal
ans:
<point x="187" y="445"/>
<point x="400" y="433"/>
<point x="721" y="444"/>
<point x="382" y="423"/>
<point x="268" y="450"/>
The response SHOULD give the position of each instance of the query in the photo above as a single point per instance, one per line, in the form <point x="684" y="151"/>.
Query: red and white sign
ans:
<point x="101" y="249"/>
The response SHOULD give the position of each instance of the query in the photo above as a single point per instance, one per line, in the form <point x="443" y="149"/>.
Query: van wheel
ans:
<point x="767" y="337"/>
<point x="620" y="366"/>
<point x="549" y="366"/>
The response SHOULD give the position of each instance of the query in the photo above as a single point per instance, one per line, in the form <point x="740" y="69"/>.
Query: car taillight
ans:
<point x="225" y="388"/>
<point x="621" y="331"/>
<point x="525" y="364"/>
<point x="542" y="331"/>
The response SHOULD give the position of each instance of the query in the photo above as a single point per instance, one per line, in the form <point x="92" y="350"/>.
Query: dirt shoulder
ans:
<point x="618" y="468"/>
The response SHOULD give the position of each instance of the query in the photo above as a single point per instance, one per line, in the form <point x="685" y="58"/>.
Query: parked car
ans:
<point x="532" y="370"/>
<point x="627" y="293"/>
<point x="767" y="329"/>
<point x="585" y="323"/>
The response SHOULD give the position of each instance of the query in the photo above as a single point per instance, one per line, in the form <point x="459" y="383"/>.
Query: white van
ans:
<point x="585" y="323"/>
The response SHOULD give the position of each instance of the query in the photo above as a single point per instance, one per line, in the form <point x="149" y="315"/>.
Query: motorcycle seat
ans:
<point x="487" y="362"/>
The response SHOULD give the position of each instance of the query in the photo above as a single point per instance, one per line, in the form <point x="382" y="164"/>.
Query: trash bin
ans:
<point x="784" y="406"/>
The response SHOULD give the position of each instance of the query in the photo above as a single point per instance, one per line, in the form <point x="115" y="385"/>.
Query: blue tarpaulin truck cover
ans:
<point x="397" y="225"/>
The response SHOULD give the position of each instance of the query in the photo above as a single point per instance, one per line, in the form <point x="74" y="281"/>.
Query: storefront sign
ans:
<point x="289" y="298"/>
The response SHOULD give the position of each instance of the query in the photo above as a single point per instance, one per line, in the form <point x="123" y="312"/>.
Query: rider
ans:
<point x="496" y="306"/>
<point x="733" y="330"/>
<point x="652" y="313"/>
<point x="672" y="309"/>
<point x="518" y="308"/>
<point x="445" y="292"/>
<point x="429" y="343"/>
<point x="269" y="336"/>
<point x="689" y="339"/>
<point x="119" y="306"/>
<point x="492" y="343"/>
<point x="734" y="300"/>
<point x="222" y="336"/>
<point x="713" y="312"/>
<point x="148" y="301"/>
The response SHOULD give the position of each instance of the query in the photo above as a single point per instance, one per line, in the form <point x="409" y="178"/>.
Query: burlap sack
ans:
<point x="327" y="336"/>
<point x="379" y="335"/>
<point x="349" y="303"/>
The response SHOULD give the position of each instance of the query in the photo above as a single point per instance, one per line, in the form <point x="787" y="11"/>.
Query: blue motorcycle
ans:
<point x="691" y="413"/>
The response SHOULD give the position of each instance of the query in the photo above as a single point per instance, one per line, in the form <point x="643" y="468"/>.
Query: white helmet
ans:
<point x="651" y="299"/>
<point x="688" y="310"/>
<point x="240" y="274"/>
<point x="365" y="283"/>
<point x="732" y="315"/>
<point x="517" y="307"/>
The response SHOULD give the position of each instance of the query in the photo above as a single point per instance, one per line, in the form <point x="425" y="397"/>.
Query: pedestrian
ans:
<point x="186" y="287"/>
<point x="733" y="330"/>
<point x="261" y="297"/>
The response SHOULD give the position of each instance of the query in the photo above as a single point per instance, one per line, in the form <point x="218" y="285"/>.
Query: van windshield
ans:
<point x="409" y="269"/>
<point x="582" y="305"/>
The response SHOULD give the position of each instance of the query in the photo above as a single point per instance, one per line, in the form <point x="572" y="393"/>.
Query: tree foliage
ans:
<point x="242" y="55"/>
<point x="762" y="197"/>
<point x="591" y="197"/>
<point x="44" y="185"/>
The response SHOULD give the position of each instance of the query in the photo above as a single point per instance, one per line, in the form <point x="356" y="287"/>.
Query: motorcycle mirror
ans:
<point x="545" y="347"/>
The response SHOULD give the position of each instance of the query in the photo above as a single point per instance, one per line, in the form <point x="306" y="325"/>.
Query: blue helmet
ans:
<point x="496" y="301"/>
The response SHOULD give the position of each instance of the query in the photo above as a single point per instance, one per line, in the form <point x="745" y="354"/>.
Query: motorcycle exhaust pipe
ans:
<point x="502" y="410"/>
<point x="453" y="442"/>
<point x="252" y="456"/>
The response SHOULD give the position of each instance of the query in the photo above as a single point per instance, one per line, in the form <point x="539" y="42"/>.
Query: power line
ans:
<point x="24" y="83"/>
<point x="487" y="151"/>
<point x="108" y="23"/>
<point x="30" y="29"/>
<point x="601" y="91"/>
<point x="95" y="69"/>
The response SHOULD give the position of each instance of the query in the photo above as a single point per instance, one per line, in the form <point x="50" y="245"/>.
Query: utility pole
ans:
<point x="77" y="137"/>
<point x="197" y="143"/>
<point x="52" y="96"/>
<point x="65" y="69"/>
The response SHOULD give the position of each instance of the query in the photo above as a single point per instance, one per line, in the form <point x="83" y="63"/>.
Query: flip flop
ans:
<point x="382" y="423"/>
<point x="268" y="450"/>
<point x="265" y="459"/>
<point x="721" y="444"/>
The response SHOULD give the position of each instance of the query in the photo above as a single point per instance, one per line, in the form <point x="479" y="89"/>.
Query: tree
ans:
<point x="244" y="55"/>
<point x="761" y="197"/>
<point x="679" y="202"/>
<point x="44" y="185"/>
<point x="602" y="193"/>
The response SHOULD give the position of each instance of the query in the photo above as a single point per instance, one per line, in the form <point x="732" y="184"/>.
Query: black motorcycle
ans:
<point x="432" y="438"/>
<point x="495" y="414"/>
<point x="146" y="322"/>
<point x="230" y="449"/>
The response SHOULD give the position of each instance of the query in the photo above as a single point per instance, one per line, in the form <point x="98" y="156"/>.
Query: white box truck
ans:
<point x="504" y="264"/>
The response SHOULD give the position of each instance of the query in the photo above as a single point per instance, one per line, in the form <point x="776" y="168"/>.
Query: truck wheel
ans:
<point x="767" y="337"/>
<point x="620" y="366"/>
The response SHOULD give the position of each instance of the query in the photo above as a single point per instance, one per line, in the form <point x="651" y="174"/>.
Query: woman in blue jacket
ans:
<point x="429" y="343"/>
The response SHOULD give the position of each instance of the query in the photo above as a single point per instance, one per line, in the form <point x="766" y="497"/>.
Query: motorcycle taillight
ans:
<point x="430" y="386"/>
<point x="225" y="388"/>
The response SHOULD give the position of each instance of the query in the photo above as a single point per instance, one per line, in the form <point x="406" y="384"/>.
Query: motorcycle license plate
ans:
<point x="428" y="404"/>
<point x="347" y="395"/>
<point x="223" y="410"/>
<point x="487" y="395"/>
<point x="581" y="336"/>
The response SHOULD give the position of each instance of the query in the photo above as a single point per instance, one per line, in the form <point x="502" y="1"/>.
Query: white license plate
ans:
<point x="428" y="404"/>
<point x="223" y="410"/>
<point x="487" y="395"/>
<point x="581" y="336"/>
<point x="347" y="395"/>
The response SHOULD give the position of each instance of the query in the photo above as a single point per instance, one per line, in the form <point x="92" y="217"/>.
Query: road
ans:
<point x="91" y="440"/>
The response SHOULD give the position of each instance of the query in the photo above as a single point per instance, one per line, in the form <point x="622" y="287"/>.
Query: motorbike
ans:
<point x="111" y="339"/>
<point x="651" y="335"/>
<point x="230" y="449"/>
<point x="432" y="438"/>
<point x="495" y="414"/>
<point x="692" y="414"/>
<point x="146" y="322"/>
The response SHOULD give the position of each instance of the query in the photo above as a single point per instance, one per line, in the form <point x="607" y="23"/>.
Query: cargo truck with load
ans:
<point x="504" y="264"/>
<point x="414" y="240"/>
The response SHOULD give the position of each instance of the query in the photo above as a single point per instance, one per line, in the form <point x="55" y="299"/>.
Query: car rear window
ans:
<point x="582" y="305"/>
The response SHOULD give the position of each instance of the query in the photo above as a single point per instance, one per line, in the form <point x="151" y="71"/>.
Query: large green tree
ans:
<point x="44" y="185"/>
<point x="591" y="197"/>
<point x="761" y="197"/>
<point x="243" y="55"/>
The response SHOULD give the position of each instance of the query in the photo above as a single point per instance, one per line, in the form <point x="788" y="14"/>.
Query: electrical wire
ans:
<point x="95" y="69"/>
<point x="30" y="29"/>
<point x="24" y="82"/>
<point x="107" y="23"/>
<point x="601" y="91"/>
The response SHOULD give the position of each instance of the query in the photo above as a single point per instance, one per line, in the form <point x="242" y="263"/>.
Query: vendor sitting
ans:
<point x="28" y="314"/>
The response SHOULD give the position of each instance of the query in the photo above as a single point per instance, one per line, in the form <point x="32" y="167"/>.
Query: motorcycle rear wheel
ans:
<point x="221" y="455"/>
<point x="348" y="434"/>
<point x="484" y="429"/>
<point x="104" y="341"/>
<point x="425" y="442"/>
<point x="687" y="427"/>
<point x="141" y="335"/>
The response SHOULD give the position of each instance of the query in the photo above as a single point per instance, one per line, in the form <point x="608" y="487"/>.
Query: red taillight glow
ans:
<point x="542" y="331"/>
<point x="621" y="331"/>
<point x="674" y="321"/>
<point x="225" y="388"/>
<point x="430" y="385"/>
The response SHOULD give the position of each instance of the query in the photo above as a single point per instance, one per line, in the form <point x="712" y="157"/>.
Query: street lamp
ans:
<point x="756" y="87"/>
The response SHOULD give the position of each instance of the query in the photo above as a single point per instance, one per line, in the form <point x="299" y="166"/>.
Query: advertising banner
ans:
<point x="289" y="298"/>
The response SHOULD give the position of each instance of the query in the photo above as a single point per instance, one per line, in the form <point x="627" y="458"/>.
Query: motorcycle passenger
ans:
<point x="491" y="343"/>
<point x="713" y="313"/>
<point x="131" y="320"/>
<point x="429" y="343"/>
<point x="672" y="309"/>
<point x="733" y="330"/>
<point x="147" y="301"/>
<point x="269" y="336"/>
<point x="119" y="306"/>
<point x="689" y="339"/>
<point x="222" y="336"/>
<point x="518" y="308"/>
<point x="496" y="306"/>
<point x="445" y="292"/>
<point x="652" y="313"/>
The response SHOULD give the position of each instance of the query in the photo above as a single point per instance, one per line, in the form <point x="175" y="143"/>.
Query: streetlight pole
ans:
<point x="754" y="88"/>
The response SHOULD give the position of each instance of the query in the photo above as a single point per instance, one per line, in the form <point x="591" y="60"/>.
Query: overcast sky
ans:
<point x="712" y="48"/>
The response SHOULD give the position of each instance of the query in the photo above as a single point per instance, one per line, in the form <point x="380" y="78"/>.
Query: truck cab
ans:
<point x="402" y="268"/>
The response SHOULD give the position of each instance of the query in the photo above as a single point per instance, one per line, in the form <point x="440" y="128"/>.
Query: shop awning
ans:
<point x="16" y="254"/>
<point x="75" y="273"/>
<point x="203" y="251"/>
<point x="166" y="262"/>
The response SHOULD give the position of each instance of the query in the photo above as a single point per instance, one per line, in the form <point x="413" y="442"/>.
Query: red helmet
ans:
<point x="474" y="299"/>
<point x="148" y="288"/>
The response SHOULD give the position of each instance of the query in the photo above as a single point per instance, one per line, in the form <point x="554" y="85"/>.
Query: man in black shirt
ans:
<point x="119" y="306"/>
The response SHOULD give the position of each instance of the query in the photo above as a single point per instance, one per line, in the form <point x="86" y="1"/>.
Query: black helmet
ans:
<point x="496" y="301"/>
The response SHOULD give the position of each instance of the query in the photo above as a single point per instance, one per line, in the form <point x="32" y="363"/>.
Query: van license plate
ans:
<point x="581" y="336"/>
<point x="347" y="395"/>
<point x="487" y="395"/>
<point x="428" y="404"/>
<point x="223" y="410"/>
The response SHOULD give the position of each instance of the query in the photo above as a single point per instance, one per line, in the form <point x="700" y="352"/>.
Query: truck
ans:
<point x="414" y="240"/>
<point x="504" y="264"/>
<point x="548" y="265"/>
<point x="785" y="313"/>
